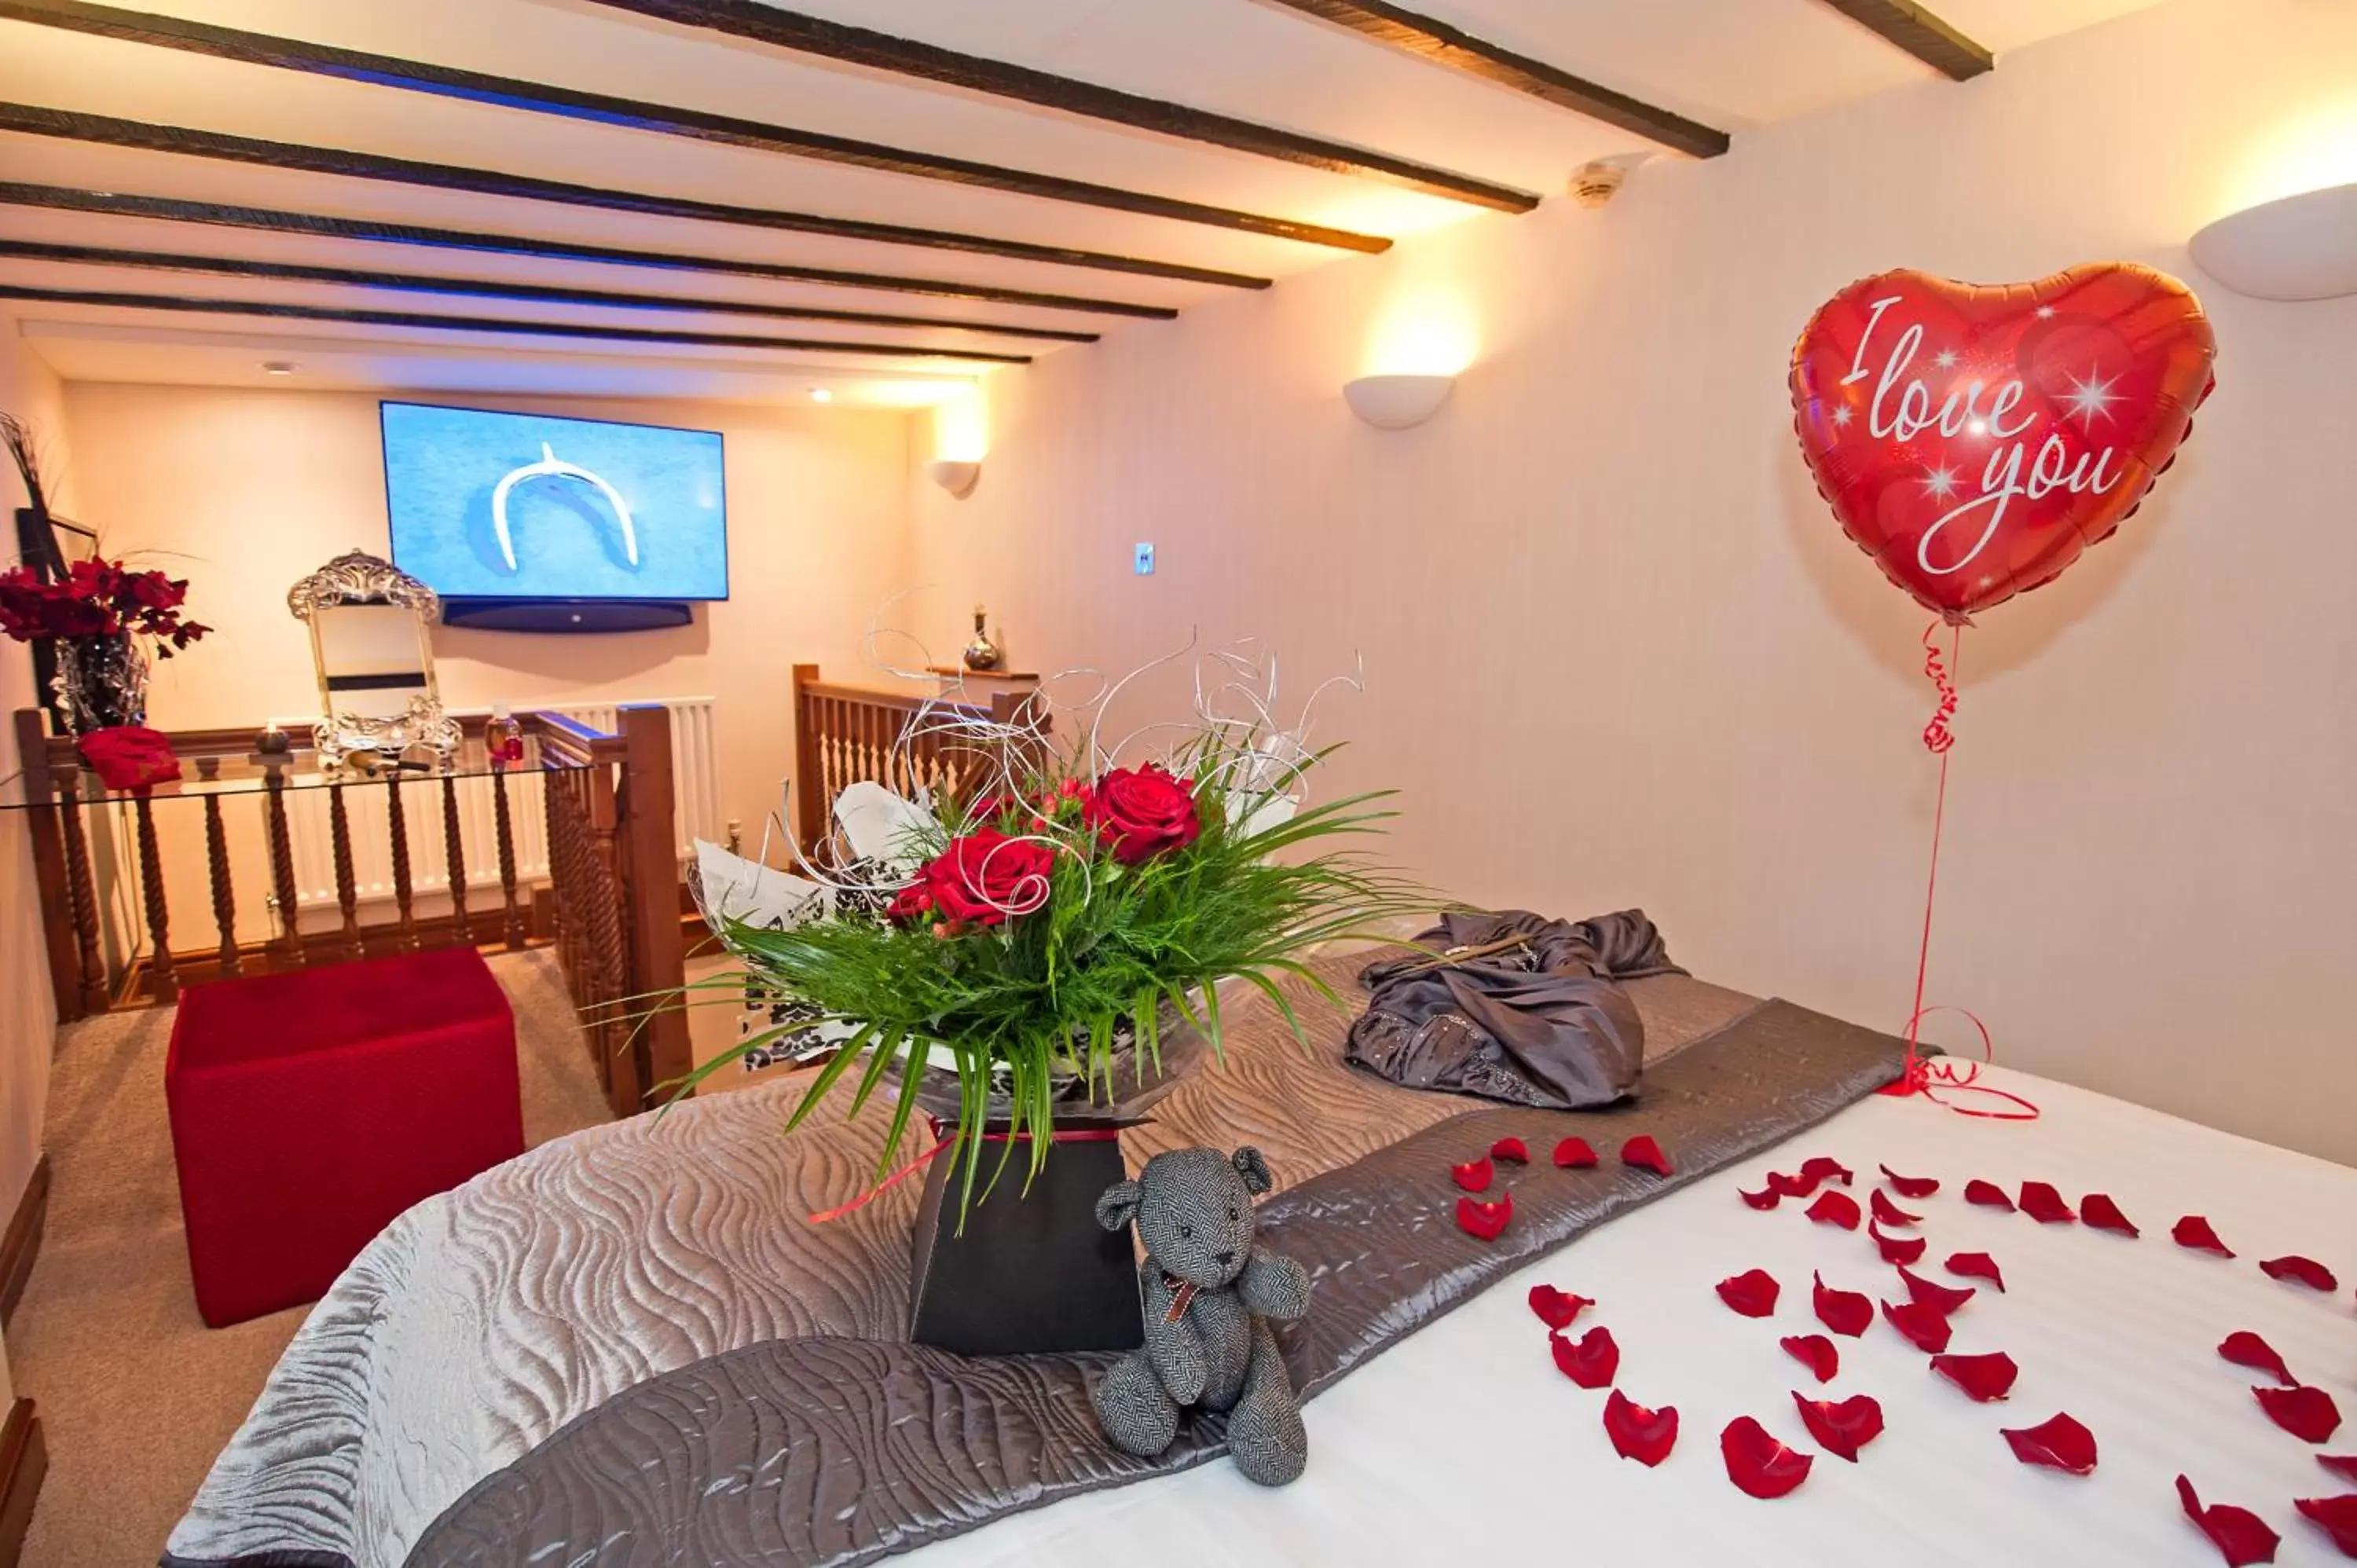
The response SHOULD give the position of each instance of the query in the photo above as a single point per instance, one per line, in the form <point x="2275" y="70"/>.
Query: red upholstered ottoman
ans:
<point x="308" y="1108"/>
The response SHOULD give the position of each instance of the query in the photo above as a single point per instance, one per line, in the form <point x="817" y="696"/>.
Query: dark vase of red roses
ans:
<point x="98" y="616"/>
<point x="1047" y="962"/>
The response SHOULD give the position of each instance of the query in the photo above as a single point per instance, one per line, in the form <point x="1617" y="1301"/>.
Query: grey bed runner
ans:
<point x="828" y="1451"/>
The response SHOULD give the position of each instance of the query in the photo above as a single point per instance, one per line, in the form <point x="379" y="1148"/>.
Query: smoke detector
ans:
<point x="1594" y="183"/>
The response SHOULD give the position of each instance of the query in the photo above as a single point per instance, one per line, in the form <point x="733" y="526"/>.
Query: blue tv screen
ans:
<point x="528" y="506"/>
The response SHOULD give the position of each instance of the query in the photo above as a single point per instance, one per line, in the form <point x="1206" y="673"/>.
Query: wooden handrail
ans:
<point x="611" y="796"/>
<point x="845" y="734"/>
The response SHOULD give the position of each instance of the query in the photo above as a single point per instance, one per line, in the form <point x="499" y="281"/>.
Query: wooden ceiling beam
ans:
<point x="1921" y="34"/>
<point x="283" y="312"/>
<point x="106" y="130"/>
<point x="792" y="30"/>
<point x="175" y="209"/>
<point x="540" y="98"/>
<point x="488" y="288"/>
<point x="1428" y="39"/>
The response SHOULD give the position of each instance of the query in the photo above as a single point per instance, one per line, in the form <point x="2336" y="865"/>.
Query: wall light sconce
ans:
<point x="2302" y="247"/>
<point x="1395" y="402"/>
<point x="955" y="475"/>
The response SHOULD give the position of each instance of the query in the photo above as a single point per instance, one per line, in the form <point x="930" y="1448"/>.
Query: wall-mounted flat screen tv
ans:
<point x="527" y="506"/>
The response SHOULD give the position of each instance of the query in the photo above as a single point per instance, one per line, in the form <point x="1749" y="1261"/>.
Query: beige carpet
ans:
<point x="137" y="1395"/>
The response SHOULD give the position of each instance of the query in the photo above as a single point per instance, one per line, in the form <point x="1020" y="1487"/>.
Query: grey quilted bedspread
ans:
<point x="484" y="1321"/>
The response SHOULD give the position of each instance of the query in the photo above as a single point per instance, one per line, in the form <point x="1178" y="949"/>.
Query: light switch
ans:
<point x="1145" y="560"/>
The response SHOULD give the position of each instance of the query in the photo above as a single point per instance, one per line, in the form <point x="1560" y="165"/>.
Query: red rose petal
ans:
<point x="1907" y="1186"/>
<point x="1888" y="1213"/>
<point x="1823" y="1168"/>
<point x="1842" y="1427"/>
<point x="1646" y="1155"/>
<point x="2245" y="1348"/>
<point x="1897" y="1249"/>
<point x="1767" y="1198"/>
<point x="1645" y="1436"/>
<point x="2306" y="1413"/>
<point x="1975" y="1266"/>
<point x="1757" y="1463"/>
<point x="2337" y="1516"/>
<point x="1843" y="1311"/>
<point x="1557" y="1308"/>
<point x="2103" y="1214"/>
<point x="1574" y="1154"/>
<point x="2297" y="1270"/>
<point x="1473" y="1175"/>
<point x="1484" y="1219"/>
<point x="1927" y="1327"/>
<point x="1985" y="1378"/>
<point x="2193" y="1232"/>
<point x="1751" y="1293"/>
<point x="1815" y="1352"/>
<point x="2340" y="1464"/>
<point x="2042" y="1203"/>
<point x="1940" y="1298"/>
<point x="1836" y="1209"/>
<point x="2060" y="1443"/>
<point x="1512" y="1149"/>
<point x="1988" y="1195"/>
<point x="2240" y="1535"/>
<point x="1591" y="1362"/>
<point x="1789" y="1186"/>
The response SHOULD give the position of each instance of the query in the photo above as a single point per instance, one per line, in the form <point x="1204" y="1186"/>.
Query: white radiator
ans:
<point x="696" y="785"/>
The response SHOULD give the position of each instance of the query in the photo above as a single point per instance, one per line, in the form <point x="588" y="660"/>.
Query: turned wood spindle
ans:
<point x="224" y="899"/>
<point x="286" y="947"/>
<point x="514" y="926"/>
<point x="397" y="828"/>
<point x="163" y="980"/>
<point x="347" y="893"/>
<point x="82" y="894"/>
<point x="454" y="850"/>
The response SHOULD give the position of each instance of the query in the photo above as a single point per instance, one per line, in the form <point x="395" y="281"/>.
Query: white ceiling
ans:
<point x="1735" y="64"/>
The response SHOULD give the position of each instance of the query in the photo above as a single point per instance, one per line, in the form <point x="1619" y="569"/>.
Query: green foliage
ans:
<point x="1015" y="1007"/>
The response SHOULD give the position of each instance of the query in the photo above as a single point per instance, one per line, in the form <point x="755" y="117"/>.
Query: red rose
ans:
<point x="1140" y="814"/>
<point x="985" y="876"/>
<point x="911" y="902"/>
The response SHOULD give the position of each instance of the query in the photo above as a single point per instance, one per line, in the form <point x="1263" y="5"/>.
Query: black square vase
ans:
<point x="1033" y="1273"/>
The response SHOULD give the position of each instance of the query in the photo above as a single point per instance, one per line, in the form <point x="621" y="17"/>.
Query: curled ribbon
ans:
<point x="948" y="1139"/>
<point x="1937" y="736"/>
<point x="1927" y="1076"/>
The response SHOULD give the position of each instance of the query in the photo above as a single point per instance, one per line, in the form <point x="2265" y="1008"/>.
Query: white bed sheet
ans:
<point x="1464" y="1444"/>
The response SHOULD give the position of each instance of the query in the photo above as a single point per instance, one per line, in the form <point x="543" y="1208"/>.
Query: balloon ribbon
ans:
<point x="1927" y="1075"/>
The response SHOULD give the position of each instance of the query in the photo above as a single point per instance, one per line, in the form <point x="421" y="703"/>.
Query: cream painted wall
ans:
<point x="1619" y="653"/>
<point x="243" y="492"/>
<point x="27" y="1014"/>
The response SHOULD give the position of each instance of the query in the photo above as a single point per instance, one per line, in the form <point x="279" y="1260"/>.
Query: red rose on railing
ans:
<point x="983" y="877"/>
<point x="1142" y="812"/>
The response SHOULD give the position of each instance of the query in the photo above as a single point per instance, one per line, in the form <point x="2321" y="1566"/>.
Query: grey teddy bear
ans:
<point x="1209" y="1292"/>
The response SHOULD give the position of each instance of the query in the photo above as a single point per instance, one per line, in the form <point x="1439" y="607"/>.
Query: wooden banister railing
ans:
<point x="613" y="866"/>
<point x="845" y="734"/>
<point x="613" y="873"/>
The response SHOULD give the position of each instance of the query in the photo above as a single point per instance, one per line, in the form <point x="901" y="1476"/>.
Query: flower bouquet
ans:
<point x="98" y="612"/>
<point x="1028" y="938"/>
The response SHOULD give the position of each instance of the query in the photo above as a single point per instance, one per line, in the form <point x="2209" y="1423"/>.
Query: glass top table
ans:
<point x="249" y="773"/>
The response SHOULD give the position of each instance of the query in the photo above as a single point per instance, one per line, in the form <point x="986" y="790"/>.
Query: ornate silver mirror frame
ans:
<point x="357" y="580"/>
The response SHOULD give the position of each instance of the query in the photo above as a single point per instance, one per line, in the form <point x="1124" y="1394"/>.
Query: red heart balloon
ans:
<point x="1974" y="439"/>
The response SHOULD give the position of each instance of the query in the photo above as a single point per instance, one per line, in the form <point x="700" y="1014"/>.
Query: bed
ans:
<point x="641" y="1353"/>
